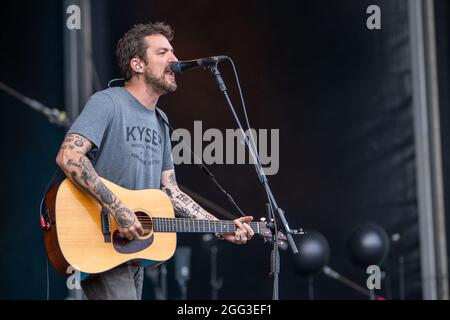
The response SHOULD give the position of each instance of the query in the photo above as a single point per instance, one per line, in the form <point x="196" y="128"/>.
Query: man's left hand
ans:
<point x="243" y="231"/>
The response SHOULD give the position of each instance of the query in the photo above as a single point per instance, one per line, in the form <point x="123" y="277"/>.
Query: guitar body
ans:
<point x="76" y="236"/>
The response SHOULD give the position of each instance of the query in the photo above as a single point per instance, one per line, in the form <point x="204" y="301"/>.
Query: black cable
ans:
<point x="48" y="280"/>
<point x="244" y="107"/>
<point x="202" y="167"/>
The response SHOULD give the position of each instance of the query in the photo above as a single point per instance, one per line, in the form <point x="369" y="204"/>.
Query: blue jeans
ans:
<point x="121" y="283"/>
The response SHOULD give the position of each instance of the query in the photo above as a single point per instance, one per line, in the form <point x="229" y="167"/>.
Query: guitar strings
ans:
<point x="161" y="223"/>
<point x="169" y="224"/>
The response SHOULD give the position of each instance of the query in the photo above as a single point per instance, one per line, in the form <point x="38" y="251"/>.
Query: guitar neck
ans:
<point x="197" y="226"/>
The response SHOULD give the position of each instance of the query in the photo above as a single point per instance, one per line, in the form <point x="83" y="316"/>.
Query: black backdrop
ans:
<point x="339" y="93"/>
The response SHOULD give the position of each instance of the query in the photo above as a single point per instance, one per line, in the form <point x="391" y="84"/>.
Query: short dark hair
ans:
<point x="132" y="44"/>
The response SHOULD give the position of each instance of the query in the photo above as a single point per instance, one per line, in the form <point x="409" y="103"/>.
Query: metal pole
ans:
<point x="77" y="68"/>
<point x="431" y="209"/>
<point x="78" y="76"/>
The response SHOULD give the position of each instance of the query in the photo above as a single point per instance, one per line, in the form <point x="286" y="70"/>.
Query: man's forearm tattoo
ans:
<point x="74" y="178"/>
<point x="177" y="207"/>
<point x="89" y="182"/>
<point x="71" y="163"/>
<point x="87" y="170"/>
<point x="106" y="196"/>
<point x="183" y="198"/>
<point x="169" y="192"/>
<point x="116" y="204"/>
<point x="195" y="209"/>
<point x="181" y="211"/>
<point x="81" y="171"/>
<point x="185" y="207"/>
<point x="172" y="179"/>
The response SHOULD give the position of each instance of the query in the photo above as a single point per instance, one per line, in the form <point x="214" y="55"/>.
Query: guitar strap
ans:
<point x="55" y="181"/>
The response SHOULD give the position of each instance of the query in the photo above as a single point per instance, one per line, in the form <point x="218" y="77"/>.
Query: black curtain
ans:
<point x="340" y="95"/>
<point x="31" y="61"/>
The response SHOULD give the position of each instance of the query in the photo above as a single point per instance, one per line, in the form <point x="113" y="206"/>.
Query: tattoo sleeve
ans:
<point x="80" y="170"/>
<point x="183" y="205"/>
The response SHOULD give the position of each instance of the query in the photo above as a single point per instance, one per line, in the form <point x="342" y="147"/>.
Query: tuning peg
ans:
<point x="262" y="219"/>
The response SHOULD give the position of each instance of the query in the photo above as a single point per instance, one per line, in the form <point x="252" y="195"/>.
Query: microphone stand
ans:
<point x="216" y="282"/>
<point x="328" y="271"/>
<point x="272" y="207"/>
<point x="53" y="115"/>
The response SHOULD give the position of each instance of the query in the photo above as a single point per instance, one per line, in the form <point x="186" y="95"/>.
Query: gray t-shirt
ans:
<point x="131" y="144"/>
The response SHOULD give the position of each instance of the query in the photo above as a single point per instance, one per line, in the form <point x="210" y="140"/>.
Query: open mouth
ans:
<point x="171" y="74"/>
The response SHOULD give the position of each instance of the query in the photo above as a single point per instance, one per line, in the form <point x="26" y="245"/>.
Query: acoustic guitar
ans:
<point x="81" y="235"/>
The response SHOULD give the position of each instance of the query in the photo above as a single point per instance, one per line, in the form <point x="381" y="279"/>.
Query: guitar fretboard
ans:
<point x="197" y="226"/>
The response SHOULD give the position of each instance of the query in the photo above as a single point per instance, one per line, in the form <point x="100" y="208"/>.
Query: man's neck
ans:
<point x="145" y="94"/>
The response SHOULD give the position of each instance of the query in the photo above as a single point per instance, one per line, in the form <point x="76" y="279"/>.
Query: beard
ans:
<point x="161" y="84"/>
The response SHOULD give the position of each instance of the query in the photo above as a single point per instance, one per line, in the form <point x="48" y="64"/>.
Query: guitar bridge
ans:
<point x="106" y="227"/>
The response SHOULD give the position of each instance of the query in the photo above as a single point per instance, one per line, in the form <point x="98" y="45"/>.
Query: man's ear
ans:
<point x="136" y="65"/>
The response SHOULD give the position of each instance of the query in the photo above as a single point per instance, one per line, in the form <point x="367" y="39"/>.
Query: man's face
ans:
<point x="157" y="71"/>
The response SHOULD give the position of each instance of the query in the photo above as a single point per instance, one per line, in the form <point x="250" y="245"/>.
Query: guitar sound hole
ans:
<point x="145" y="221"/>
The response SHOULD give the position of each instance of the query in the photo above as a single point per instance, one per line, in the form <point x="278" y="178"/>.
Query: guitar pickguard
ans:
<point x="123" y="245"/>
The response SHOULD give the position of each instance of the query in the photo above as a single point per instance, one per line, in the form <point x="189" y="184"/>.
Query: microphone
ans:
<point x="181" y="66"/>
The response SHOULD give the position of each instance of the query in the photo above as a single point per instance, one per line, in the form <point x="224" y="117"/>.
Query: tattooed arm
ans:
<point x="78" y="168"/>
<point x="185" y="207"/>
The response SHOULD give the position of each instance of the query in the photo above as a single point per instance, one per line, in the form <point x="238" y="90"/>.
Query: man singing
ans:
<point x="120" y="137"/>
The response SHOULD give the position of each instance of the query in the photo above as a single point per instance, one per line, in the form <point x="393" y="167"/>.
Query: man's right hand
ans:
<point x="128" y="223"/>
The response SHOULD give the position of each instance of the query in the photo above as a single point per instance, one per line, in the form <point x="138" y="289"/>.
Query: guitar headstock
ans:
<point x="266" y="233"/>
